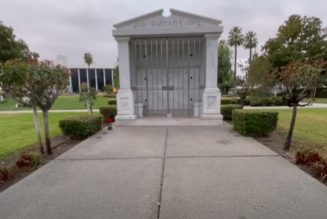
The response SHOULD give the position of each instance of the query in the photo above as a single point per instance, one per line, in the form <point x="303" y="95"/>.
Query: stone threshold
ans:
<point x="158" y="121"/>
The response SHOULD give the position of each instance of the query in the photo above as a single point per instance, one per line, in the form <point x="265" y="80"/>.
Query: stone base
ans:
<point x="123" y="119"/>
<point x="216" y="117"/>
<point x="157" y="121"/>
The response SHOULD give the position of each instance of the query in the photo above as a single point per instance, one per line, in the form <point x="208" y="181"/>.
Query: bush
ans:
<point x="112" y="102"/>
<point x="254" y="123"/>
<point x="228" y="101"/>
<point x="306" y="157"/>
<point x="28" y="159"/>
<point x="108" y="111"/>
<point x="267" y="101"/>
<point x="5" y="174"/>
<point x="226" y="110"/>
<point x="321" y="93"/>
<point x="81" y="127"/>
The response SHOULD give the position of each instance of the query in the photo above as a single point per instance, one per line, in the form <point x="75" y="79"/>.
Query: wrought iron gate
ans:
<point x="167" y="74"/>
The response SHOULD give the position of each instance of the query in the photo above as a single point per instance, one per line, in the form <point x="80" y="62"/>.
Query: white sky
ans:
<point x="73" y="27"/>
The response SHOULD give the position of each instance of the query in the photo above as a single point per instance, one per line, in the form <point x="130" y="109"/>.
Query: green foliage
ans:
<point x="299" y="38"/>
<point x="235" y="39"/>
<point x="81" y="127"/>
<point x="225" y="74"/>
<point x="259" y="78"/>
<point x="250" y="42"/>
<point x="226" y="110"/>
<point x="112" y="102"/>
<point x="88" y="59"/>
<point x="225" y="101"/>
<point x="254" y="123"/>
<point x="87" y="96"/>
<point x="267" y="101"/>
<point x="109" y="90"/>
<point x="10" y="47"/>
<point x="108" y="111"/>
<point x="28" y="159"/>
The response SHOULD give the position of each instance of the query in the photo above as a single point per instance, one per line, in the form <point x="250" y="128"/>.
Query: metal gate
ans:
<point x="167" y="74"/>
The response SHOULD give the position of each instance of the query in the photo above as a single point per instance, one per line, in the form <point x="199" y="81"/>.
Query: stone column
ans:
<point x="79" y="79"/>
<point x="104" y="77"/>
<point x="211" y="94"/>
<point x="70" y="82"/>
<point x="125" y="97"/>
<point x="96" y="79"/>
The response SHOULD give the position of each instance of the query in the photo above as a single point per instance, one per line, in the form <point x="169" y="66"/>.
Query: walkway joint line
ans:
<point x="162" y="174"/>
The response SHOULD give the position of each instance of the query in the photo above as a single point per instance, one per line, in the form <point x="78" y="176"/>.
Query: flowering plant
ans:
<point x="109" y="120"/>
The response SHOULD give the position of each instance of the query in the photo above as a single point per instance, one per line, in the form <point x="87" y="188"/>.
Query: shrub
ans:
<point x="226" y="110"/>
<point x="267" y="101"/>
<point x="254" y="123"/>
<point x="81" y="127"/>
<point x="5" y="174"/>
<point x="306" y="157"/>
<point x="28" y="159"/>
<point x="228" y="101"/>
<point x="321" y="166"/>
<point x="108" y="111"/>
<point x="112" y="102"/>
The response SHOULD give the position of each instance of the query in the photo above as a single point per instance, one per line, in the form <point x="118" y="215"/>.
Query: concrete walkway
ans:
<point x="170" y="173"/>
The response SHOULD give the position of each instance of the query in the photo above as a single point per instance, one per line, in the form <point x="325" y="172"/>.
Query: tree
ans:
<point x="10" y="47"/>
<point x="49" y="82"/>
<point x="17" y="79"/>
<point x="295" y="54"/>
<point x="259" y="78"/>
<point x="225" y="74"/>
<point x="250" y="42"/>
<point x="235" y="39"/>
<point x="299" y="78"/>
<point x="87" y="96"/>
<point x="88" y="60"/>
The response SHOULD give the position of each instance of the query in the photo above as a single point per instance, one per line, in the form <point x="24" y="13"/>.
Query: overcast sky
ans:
<point x="72" y="27"/>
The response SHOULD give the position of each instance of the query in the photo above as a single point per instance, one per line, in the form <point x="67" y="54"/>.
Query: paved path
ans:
<point x="170" y="173"/>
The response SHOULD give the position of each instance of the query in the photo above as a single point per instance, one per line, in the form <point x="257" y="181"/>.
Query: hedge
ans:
<point x="108" y="111"/>
<point x="112" y="102"/>
<point x="81" y="127"/>
<point x="228" y="101"/>
<point x="267" y="101"/>
<point x="254" y="123"/>
<point x="226" y="110"/>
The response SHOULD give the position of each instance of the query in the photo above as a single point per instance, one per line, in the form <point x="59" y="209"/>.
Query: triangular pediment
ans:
<point x="179" y="22"/>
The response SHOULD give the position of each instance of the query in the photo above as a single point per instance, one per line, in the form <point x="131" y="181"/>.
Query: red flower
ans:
<point x="109" y="120"/>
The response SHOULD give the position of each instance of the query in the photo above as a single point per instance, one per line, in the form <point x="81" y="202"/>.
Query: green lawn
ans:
<point x="310" y="127"/>
<point x="63" y="102"/>
<point x="317" y="100"/>
<point x="17" y="130"/>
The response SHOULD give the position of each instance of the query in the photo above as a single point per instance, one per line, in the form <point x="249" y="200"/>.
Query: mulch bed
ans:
<point x="61" y="144"/>
<point x="276" y="141"/>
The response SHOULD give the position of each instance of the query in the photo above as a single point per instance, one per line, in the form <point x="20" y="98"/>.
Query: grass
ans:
<point x="317" y="100"/>
<point x="310" y="128"/>
<point x="17" y="130"/>
<point x="62" y="103"/>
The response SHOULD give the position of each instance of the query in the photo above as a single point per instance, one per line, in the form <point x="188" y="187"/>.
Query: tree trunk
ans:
<point x="250" y="56"/>
<point x="235" y="60"/>
<point x="46" y="132"/>
<point x="291" y="128"/>
<point x="38" y="130"/>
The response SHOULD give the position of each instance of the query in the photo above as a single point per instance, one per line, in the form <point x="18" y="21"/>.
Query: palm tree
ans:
<point x="250" y="42"/>
<point x="235" y="38"/>
<point x="88" y="60"/>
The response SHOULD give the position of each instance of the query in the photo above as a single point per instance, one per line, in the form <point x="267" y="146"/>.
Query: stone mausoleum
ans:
<point x="168" y="66"/>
